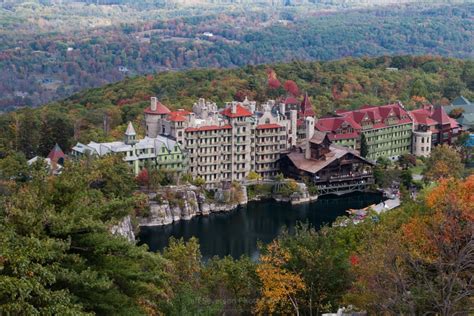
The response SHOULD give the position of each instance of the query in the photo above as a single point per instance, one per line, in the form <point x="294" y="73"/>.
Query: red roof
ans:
<point x="439" y="115"/>
<point x="422" y="116"/>
<point x="307" y="107"/>
<point x="160" y="109"/>
<point x="178" y="116"/>
<point x="207" y="128"/>
<point x="375" y="113"/>
<point x="333" y="136"/>
<point x="268" y="126"/>
<point x="56" y="153"/>
<point x="291" y="100"/>
<point x="454" y="123"/>
<point x="333" y="123"/>
<point x="240" y="111"/>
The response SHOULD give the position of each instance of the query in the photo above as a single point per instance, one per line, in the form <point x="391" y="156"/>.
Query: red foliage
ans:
<point x="354" y="260"/>
<point x="273" y="81"/>
<point x="143" y="178"/>
<point x="291" y="87"/>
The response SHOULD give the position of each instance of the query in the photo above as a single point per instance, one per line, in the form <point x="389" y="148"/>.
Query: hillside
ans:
<point x="51" y="52"/>
<point x="346" y="83"/>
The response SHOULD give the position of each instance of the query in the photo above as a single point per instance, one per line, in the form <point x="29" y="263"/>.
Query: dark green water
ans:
<point x="238" y="232"/>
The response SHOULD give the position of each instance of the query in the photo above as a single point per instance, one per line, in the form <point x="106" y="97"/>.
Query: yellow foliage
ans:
<point x="279" y="285"/>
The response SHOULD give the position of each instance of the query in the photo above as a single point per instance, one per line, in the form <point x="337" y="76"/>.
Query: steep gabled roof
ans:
<point x="130" y="130"/>
<point x="307" y="107"/>
<point x="461" y="101"/>
<point x="56" y="153"/>
<point x="440" y="116"/>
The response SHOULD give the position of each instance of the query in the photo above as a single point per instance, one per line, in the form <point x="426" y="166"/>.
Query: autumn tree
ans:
<point x="143" y="178"/>
<point x="420" y="257"/>
<point x="291" y="87"/>
<point x="444" y="162"/>
<point x="280" y="287"/>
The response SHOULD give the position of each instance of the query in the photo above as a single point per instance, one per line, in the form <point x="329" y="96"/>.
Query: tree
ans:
<point x="407" y="160"/>
<point x="143" y="178"/>
<point x="189" y="296"/>
<point x="419" y="258"/>
<point x="67" y="251"/>
<point x="280" y="287"/>
<point x="253" y="176"/>
<point x="291" y="87"/>
<point x="444" y="162"/>
<point x="456" y="113"/>
<point x="364" y="148"/>
<point x="235" y="282"/>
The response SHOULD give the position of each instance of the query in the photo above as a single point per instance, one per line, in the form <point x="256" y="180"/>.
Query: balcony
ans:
<point x="344" y="177"/>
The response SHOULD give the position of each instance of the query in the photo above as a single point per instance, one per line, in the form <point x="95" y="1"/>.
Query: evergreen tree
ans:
<point x="364" y="150"/>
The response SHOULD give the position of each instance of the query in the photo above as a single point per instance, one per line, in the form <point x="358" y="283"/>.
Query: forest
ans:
<point x="51" y="52"/>
<point x="101" y="114"/>
<point x="57" y="255"/>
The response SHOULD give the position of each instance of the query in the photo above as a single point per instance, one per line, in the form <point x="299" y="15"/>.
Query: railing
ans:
<point x="344" y="177"/>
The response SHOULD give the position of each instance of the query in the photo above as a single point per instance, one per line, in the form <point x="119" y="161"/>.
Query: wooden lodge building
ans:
<point x="334" y="169"/>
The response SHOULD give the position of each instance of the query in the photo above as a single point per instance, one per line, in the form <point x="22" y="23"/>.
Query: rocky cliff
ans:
<point x="124" y="229"/>
<point x="187" y="202"/>
<point x="183" y="203"/>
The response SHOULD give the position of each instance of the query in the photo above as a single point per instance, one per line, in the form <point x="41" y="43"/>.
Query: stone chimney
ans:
<point x="282" y="108"/>
<point x="233" y="108"/>
<point x="191" y="117"/>
<point x="154" y="103"/>
<point x="309" y="125"/>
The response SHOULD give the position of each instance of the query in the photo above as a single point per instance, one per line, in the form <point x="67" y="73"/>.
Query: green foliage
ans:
<point x="364" y="148"/>
<point x="342" y="84"/>
<point x="444" y="162"/>
<point x="147" y="37"/>
<point x="68" y="259"/>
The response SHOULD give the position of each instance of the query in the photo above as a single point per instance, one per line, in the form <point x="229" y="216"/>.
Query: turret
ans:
<point x="154" y="114"/>
<point x="130" y="135"/>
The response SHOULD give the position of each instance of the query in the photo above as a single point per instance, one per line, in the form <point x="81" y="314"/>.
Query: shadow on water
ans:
<point x="237" y="233"/>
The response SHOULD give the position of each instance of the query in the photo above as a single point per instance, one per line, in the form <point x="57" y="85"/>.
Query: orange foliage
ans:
<point x="279" y="286"/>
<point x="452" y="205"/>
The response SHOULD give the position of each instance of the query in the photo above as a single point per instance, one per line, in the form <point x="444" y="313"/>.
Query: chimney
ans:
<point x="191" y="117"/>
<point x="233" y="108"/>
<point x="282" y="108"/>
<point x="154" y="102"/>
<point x="309" y="134"/>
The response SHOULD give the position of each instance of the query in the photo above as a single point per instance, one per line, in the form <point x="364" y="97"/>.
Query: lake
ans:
<point x="238" y="232"/>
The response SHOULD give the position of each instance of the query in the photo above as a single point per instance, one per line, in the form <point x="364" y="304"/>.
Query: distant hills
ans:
<point x="48" y="51"/>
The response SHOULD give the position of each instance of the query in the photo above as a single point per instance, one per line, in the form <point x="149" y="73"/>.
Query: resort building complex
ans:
<point x="225" y="144"/>
<point x="157" y="152"/>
